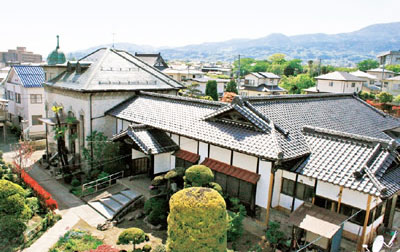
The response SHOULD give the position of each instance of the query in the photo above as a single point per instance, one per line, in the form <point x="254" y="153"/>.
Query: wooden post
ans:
<point x="364" y="230"/>
<point x="340" y="199"/>
<point x="271" y="182"/>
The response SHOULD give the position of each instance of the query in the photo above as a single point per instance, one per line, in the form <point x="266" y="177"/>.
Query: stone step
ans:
<point x="111" y="203"/>
<point x="120" y="198"/>
<point x="130" y="194"/>
<point x="107" y="212"/>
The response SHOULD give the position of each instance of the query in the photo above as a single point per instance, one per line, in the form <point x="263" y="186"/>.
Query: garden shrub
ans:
<point x="197" y="221"/>
<point x="33" y="204"/>
<point x="156" y="208"/>
<point x="275" y="236"/>
<point x="75" y="182"/>
<point x="159" y="248"/>
<point x="216" y="187"/>
<point x="76" y="240"/>
<point x="158" y="180"/>
<point x="146" y="248"/>
<point x="132" y="235"/>
<point x="12" y="200"/>
<point x="198" y="175"/>
<point x="11" y="227"/>
<point x="236" y="216"/>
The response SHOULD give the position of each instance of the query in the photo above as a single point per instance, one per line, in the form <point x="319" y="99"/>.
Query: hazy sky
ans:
<point x="85" y="23"/>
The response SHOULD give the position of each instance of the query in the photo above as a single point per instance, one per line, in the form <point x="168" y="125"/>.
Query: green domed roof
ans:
<point x="56" y="56"/>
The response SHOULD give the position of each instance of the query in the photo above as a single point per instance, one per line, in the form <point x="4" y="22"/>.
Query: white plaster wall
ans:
<point x="203" y="151"/>
<point x="328" y="190"/>
<point x="262" y="190"/>
<point x="175" y="138"/>
<point x="323" y="86"/>
<point x="277" y="188"/>
<point x="355" y="198"/>
<point x="188" y="144"/>
<point x="162" y="162"/>
<point x="119" y="125"/>
<point x="173" y="162"/>
<point x="289" y="175"/>
<point x="297" y="203"/>
<point x="137" y="154"/>
<point x="220" y="154"/>
<point x="285" y="201"/>
<point x="306" y="180"/>
<point x="352" y="228"/>
<point x="33" y="109"/>
<point x="244" y="161"/>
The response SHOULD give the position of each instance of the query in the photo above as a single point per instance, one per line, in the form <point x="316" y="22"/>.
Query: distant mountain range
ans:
<point x="342" y="49"/>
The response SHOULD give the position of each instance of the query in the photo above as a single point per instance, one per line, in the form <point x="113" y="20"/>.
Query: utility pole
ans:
<point x="238" y="75"/>
<point x="383" y="60"/>
<point x="113" y="34"/>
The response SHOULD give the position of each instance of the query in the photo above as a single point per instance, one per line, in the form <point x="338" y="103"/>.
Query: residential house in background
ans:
<point x="86" y="88"/>
<point x="392" y="85"/>
<point x="216" y="69"/>
<point x="261" y="83"/>
<point x="307" y="155"/>
<point x="19" y="55"/>
<point x="153" y="59"/>
<point x="202" y="82"/>
<point x="369" y="81"/>
<point x="337" y="82"/>
<point x="389" y="58"/>
<point x="182" y="74"/>
<point x="25" y="94"/>
<point x="381" y="74"/>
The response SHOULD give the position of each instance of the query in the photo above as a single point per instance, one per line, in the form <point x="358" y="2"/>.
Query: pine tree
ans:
<point x="231" y="87"/>
<point x="211" y="89"/>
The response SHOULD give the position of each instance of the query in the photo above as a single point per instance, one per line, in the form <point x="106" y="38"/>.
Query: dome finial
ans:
<point x="58" y="42"/>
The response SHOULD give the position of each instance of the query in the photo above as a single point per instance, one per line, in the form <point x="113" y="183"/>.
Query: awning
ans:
<point x="188" y="156"/>
<point x="53" y="121"/>
<point x="317" y="220"/>
<point x="147" y="139"/>
<point x="230" y="170"/>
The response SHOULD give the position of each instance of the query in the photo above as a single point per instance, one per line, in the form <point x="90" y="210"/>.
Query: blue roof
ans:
<point x="31" y="76"/>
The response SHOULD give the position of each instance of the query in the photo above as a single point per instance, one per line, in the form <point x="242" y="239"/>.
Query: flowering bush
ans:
<point x="39" y="190"/>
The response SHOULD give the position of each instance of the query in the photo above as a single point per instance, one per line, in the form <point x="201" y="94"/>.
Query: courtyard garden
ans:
<point x="26" y="209"/>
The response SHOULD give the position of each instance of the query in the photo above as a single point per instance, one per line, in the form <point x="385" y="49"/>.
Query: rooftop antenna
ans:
<point x="113" y="34"/>
<point x="58" y="42"/>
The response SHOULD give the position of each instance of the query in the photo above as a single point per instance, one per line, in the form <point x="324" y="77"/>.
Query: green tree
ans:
<point x="277" y="58"/>
<point x="211" y="89"/>
<point x="397" y="99"/>
<point x="231" y="87"/>
<point x="193" y="89"/>
<point x="394" y="68"/>
<point x="245" y="66"/>
<point x="367" y="64"/>
<point x="385" y="97"/>
<point x="260" y="66"/>
<point x="292" y="67"/>
<point x="274" y="235"/>
<point x="132" y="235"/>
<point x="296" y="84"/>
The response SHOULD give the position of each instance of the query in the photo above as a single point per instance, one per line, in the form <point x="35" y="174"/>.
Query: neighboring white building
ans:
<point x="182" y="74"/>
<point x="24" y="90"/>
<point x="392" y="85"/>
<point x="261" y="83"/>
<point x="221" y="84"/>
<point x="337" y="82"/>
<point x="389" y="58"/>
<point x="95" y="83"/>
<point x="380" y="74"/>
<point x="282" y="152"/>
<point x="369" y="81"/>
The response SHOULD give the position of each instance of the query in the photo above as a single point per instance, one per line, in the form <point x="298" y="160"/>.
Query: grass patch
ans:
<point x="76" y="240"/>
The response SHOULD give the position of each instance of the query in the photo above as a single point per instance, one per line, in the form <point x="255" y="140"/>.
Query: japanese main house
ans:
<point x="321" y="157"/>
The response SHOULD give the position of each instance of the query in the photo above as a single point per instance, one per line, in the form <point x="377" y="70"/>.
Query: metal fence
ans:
<point x="99" y="184"/>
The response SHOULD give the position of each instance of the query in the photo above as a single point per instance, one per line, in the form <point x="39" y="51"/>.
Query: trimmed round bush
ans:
<point x="12" y="200"/>
<point x="11" y="228"/>
<point x="146" y="248"/>
<point x="132" y="235"/>
<point x="216" y="187"/>
<point x="157" y="180"/>
<point x="197" y="221"/>
<point x="198" y="175"/>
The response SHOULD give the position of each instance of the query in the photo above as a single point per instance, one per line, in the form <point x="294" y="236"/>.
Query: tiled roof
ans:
<point x="150" y="141"/>
<point x="340" y="112"/>
<point x="185" y="116"/>
<point x="188" y="156"/>
<point x="343" y="76"/>
<point x="264" y="88"/>
<point x="31" y="76"/>
<point x="362" y="74"/>
<point x="112" y="69"/>
<point x="337" y="157"/>
<point x="379" y="70"/>
<point x="232" y="171"/>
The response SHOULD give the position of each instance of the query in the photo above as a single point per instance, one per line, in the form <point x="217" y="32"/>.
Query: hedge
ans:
<point x="197" y="221"/>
